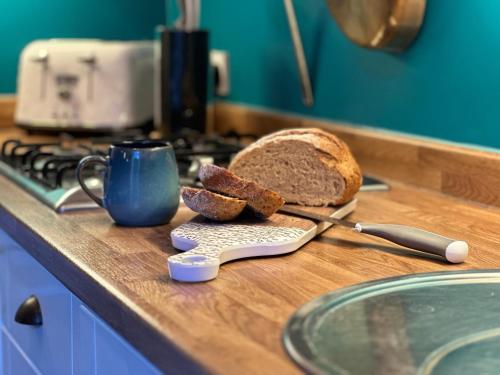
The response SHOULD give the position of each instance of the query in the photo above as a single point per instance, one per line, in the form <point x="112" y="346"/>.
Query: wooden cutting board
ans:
<point x="207" y="244"/>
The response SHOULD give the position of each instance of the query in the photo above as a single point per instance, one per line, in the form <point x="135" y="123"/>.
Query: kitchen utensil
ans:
<point x="184" y="80"/>
<point x="209" y="244"/>
<point x="141" y="183"/>
<point x="189" y="15"/>
<point x="373" y="184"/>
<point x="305" y="81"/>
<point x="382" y="24"/>
<point x="432" y="323"/>
<point x="84" y="85"/>
<point x="180" y="23"/>
<point x="452" y="250"/>
<point x="192" y="14"/>
<point x="196" y="13"/>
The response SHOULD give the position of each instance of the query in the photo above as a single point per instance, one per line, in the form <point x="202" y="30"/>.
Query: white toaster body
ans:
<point x="82" y="84"/>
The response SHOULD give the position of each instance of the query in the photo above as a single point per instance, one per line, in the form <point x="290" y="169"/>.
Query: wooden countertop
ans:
<point x="232" y="324"/>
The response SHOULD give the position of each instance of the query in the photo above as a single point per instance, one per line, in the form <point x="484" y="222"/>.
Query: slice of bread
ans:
<point x="262" y="201"/>
<point x="305" y="166"/>
<point x="214" y="206"/>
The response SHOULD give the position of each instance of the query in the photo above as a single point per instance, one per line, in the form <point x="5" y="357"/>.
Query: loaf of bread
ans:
<point x="212" y="205"/>
<point x="305" y="166"/>
<point x="263" y="202"/>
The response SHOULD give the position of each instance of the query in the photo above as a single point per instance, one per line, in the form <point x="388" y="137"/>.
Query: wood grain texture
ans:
<point x="454" y="170"/>
<point x="7" y="108"/>
<point x="234" y="324"/>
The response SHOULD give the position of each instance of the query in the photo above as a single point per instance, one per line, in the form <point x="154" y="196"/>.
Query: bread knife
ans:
<point x="418" y="239"/>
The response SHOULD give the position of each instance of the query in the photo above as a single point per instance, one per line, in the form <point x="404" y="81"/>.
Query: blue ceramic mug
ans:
<point x="141" y="182"/>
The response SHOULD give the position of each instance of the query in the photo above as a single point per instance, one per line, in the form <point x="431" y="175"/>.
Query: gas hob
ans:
<point x="48" y="170"/>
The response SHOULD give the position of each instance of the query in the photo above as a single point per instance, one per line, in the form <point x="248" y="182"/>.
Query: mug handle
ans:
<point x="79" y="174"/>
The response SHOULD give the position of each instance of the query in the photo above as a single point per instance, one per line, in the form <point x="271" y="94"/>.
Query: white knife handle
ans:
<point x="454" y="251"/>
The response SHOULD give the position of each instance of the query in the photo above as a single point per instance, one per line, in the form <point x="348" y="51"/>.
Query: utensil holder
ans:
<point x="184" y="75"/>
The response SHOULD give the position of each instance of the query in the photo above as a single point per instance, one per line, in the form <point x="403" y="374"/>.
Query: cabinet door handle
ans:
<point x="30" y="312"/>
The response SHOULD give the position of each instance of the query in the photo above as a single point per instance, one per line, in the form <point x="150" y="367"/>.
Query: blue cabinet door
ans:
<point x="46" y="346"/>
<point x="71" y="341"/>
<point x="83" y="339"/>
<point x="115" y="356"/>
<point x="2" y="352"/>
<point x="3" y="279"/>
<point x="98" y="350"/>
<point x="14" y="360"/>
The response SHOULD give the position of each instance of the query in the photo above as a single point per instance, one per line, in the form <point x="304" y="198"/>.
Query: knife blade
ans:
<point x="309" y="215"/>
<point x="454" y="251"/>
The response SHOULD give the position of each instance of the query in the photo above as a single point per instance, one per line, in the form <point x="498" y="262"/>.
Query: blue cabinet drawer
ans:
<point x="47" y="346"/>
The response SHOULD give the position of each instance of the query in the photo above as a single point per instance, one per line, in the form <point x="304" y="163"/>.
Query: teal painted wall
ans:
<point x="22" y="21"/>
<point x="447" y="85"/>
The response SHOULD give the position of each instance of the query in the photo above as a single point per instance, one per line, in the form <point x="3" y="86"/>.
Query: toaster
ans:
<point x="85" y="85"/>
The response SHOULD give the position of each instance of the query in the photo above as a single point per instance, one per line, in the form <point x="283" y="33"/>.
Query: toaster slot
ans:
<point x="90" y="61"/>
<point x="42" y="58"/>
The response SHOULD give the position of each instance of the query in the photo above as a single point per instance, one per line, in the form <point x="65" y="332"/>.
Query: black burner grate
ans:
<point x="53" y="165"/>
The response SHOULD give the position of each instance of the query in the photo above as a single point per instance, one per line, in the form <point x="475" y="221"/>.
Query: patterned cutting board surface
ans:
<point x="207" y="244"/>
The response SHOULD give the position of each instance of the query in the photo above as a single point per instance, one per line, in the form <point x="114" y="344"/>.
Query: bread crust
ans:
<point x="212" y="205"/>
<point x="332" y="151"/>
<point x="262" y="201"/>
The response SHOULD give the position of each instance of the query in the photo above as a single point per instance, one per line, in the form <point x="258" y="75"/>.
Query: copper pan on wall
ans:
<point x="389" y="25"/>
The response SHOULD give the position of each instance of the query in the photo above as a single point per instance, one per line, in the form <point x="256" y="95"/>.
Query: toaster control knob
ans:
<point x="65" y="94"/>
<point x="88" y="59"/>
